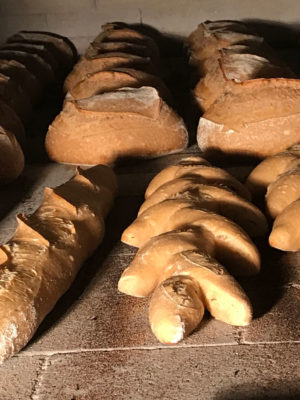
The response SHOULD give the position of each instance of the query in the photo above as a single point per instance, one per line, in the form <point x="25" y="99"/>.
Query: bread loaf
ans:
<point x="278" y="178"/>
<point x="257" y="128"/>
<point x="10" y="121"/>
<point x="117" y="78"/>
<point x="61" y="47"/>
<point x="12" y="94"/>
<point x="23" y="77"/>
<point x="248" y="95"/>
<point x="42" y="258"/>
<point x="179" y="244"/>
<point x="12" y="158"/>
<point x="103" y="62"/>
<point x="115" y="125"/>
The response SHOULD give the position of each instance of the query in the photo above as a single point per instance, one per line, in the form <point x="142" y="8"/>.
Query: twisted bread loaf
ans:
<point x="48" y="248"/>
<point x="181" y="236"/>
<point x="278" y="177"/>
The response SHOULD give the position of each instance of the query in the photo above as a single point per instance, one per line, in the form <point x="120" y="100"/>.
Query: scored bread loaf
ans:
<point x="261" y="127"/>
<point x="179" y="242"/>
<point x="112" y="126"/>
<point x="41" y="260"/>
<point x="100" y="62"/>
<point x="248" y="95"/>
<point x="23" y="77"/>
<point x="61" y="47"/>
<point x="278" y="177"/>
<point x="13" y="95"/>
<point x="116" y="78"/>
<point x="33" y="62"/>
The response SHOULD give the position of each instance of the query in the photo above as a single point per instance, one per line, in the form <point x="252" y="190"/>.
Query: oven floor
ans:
<point x="97" y="343"/>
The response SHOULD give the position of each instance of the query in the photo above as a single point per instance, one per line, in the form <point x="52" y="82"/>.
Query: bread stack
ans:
<point x="195" y="217"/>
<point x="29" y="63"/>
<point x="278" y="178"/>
<point x="249" y="97"/>
<point x="41" y="260"/>
<point x="116" y="104"/>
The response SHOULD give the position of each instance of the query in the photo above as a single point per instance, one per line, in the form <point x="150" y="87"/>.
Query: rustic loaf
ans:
<point x="116" y="78"/>
<point x="245" y="122"/>
<point x="61" y="47"/>
<point x="23" y="77"/>
<point x="106" y="61"/>
<point x="116" y="125"/>
<point x="41" y="260"/>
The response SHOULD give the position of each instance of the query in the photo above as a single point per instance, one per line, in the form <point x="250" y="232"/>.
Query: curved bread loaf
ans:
<point x="180" y="240"/>
<point x="278" y="177"/>
<point x="42" y="258"/>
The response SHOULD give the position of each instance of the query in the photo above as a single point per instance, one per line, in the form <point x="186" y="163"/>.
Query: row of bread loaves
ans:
<point x="195" y="219"/>
<point x="116" y="104"/>
<point x="249" y="97"/>
<point x="278" y="178"/>
<point x="29" y="62"/>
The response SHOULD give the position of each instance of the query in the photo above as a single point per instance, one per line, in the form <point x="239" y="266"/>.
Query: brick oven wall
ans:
<point x="80" y="19"/>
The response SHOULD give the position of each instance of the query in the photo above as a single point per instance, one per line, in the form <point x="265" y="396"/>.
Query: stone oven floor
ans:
<point x="97" y="343"/>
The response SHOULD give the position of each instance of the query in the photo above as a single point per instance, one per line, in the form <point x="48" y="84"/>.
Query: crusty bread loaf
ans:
<point x="178" y="239"/>
<point x="248" y="95"/>
<point x="278" y="177"/>
<point x="285" y="233"/>
<point x="23" y="77"/>
<point x="201" y="169"/>
<point x="227" y="69"/>
<point x="271" y="168"/>
<point x="108" y="127"/>
<point x="33" y="62"/>
<point x="235" y="125"/>
<point x="13" y="95"/>
<point x="39" y="49"/>
<point x="10" y="121"/>
<point x="42" y="258"/>
<point x="216" y="198"/>
<point x="105" y="61"/>
<point x="61" y="47"/>
<point x="12" y="158"/>
<point x="116" y="78"/>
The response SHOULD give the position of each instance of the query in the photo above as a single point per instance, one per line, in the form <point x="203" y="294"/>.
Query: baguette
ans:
<point x="179" y="244"/>
<point x="42" y="258"/>
<point x="115" y="125"/>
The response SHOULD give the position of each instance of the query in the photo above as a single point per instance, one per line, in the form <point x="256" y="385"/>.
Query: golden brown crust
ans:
<point x="42" y="258"/>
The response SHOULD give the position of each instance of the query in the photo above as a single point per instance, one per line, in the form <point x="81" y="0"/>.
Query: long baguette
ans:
<point x="42" y="258"/>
